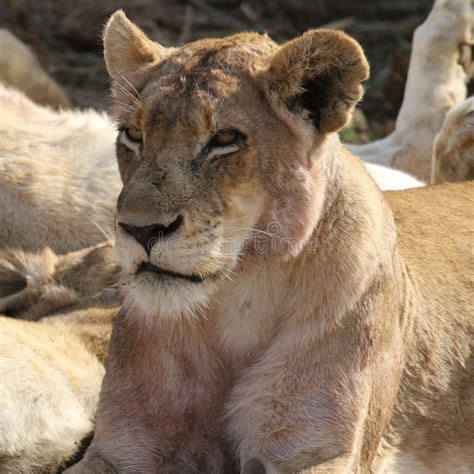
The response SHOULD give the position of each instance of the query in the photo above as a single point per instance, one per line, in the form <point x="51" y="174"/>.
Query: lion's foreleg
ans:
<point x="307" y="408"/>
<point x="160" y="404"/>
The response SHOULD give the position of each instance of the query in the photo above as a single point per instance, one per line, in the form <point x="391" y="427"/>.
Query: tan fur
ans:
<point x="58" y="179"/>
<point x="20" y="68"/>
<point x="453" y="149"/>
<point x="51" y="370"/>
<point x="332" y="330"/>
<point x="34" y="285"/>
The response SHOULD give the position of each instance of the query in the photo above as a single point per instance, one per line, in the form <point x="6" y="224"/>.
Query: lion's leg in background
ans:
<point x="437" y="77"/>
<point x="453" y="150"/>
<point x="20" y="68"/>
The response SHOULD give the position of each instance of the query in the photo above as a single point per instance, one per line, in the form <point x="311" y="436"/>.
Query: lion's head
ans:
<point x="222" y="149"/>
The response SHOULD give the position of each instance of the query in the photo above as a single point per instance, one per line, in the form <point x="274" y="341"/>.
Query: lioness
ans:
<point x="281" y="314"/>
<point x="51" y="369"/>
<point x="58" y="177"/>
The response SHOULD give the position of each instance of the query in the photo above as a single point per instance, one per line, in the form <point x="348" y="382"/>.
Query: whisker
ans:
<point x="238" y="219"/>
<point x="222" y="271"/>
<point x="132" y="86"/>
<point x="126" y="91"/>
<point x="104" y="233"/>
<point x="136" y="98"/>
<point x="259" y="231"/>
<point x="124" y="106"/>
<point x="220" y="266"/>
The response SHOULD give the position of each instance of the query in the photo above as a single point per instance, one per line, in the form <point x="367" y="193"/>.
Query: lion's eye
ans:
<point x="226" y="137"/>
<point x="223" y="143"/>
<point x="135" y="135"/>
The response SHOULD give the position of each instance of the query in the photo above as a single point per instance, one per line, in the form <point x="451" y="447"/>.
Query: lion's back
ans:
<point x="435" y="230"/>
<point x="58" y="175"/>
<point x="435" y="227"/>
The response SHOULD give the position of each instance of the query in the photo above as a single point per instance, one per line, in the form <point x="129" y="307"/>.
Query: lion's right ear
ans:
<point x="319" y="72"/>
<point x="128" y="52"/>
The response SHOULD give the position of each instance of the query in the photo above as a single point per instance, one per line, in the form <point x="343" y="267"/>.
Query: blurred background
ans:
<point x="66" y="36"/>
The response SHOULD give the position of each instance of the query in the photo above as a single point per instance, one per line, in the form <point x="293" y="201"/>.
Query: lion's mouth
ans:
<point x="149" y="267"/>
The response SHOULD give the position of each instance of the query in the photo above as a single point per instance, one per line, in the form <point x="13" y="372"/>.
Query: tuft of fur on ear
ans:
<point x="320" y="71"/>
<point x="127" y="50"/>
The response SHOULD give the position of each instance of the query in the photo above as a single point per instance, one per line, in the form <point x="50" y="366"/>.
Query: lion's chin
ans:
<point x="158" y="295"/>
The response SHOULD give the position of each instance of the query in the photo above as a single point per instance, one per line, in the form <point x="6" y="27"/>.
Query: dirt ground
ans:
<point x="66" y="35"/>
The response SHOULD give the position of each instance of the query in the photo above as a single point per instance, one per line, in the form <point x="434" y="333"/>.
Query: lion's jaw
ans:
<point x="186" y="269"/>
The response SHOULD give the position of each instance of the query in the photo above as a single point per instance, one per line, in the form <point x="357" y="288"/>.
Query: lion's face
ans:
<point x="217" y="158"/>
<point x="198" y="158"/>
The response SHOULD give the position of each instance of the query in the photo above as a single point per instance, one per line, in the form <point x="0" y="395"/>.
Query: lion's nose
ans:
<point x="148" y="235"/>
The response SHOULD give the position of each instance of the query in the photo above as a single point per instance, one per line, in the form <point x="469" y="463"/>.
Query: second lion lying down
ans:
<point x="51" y="369"/>
<point x="280" y="314"/>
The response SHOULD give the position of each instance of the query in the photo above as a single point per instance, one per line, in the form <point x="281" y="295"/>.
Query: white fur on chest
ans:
<point x="245" y="313"/>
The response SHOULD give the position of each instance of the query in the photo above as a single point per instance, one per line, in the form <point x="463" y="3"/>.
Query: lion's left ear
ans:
<point x="321" y="72"/>
<point x="128" y="52"/>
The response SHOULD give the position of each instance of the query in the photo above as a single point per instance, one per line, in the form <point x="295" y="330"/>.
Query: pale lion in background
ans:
<point x="58" y="175"/>
<point x="51" y="370"/>
<point x="440" y="68"/>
